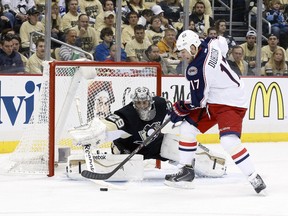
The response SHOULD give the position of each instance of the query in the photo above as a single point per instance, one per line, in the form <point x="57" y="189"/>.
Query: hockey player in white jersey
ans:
<point x="217" y="97"/>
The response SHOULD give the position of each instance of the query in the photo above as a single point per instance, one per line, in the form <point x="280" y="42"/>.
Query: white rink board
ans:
<point x="17" y="96"/>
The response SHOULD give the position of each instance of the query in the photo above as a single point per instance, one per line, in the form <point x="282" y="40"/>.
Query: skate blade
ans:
<point x="182" y="184"/>
<point x="263" y="192"/>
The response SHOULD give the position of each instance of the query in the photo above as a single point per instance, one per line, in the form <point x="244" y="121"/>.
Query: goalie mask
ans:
<point x="143" y="103"/>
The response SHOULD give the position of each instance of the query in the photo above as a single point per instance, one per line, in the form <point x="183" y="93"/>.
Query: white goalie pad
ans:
<point x="93" y="133"/>
<point x="132" y="170"/>
<point x="207" y="163"/>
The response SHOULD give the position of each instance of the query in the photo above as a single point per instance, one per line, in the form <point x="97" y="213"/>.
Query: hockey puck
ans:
<point x="103" y="189"/>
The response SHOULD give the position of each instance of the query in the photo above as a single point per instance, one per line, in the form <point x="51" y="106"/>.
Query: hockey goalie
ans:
<point x="137" y="121"/>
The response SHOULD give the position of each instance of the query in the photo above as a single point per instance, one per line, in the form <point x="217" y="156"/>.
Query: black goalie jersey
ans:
<point x="127" y="119"/>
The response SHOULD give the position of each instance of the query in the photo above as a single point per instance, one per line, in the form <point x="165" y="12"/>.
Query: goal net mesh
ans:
<point x="72" y="94"/>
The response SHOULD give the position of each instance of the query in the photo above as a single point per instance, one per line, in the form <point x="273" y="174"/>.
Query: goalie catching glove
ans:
<point x="92" y="133"/>
<point x="180" y="110"/>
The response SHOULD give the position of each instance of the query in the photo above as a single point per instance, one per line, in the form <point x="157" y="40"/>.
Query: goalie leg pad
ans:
<point x="207" y="163"/>
<point x="169" y="147"/>
<point x="133" y="170"/>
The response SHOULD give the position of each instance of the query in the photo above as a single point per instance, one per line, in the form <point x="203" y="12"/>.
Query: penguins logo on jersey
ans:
<point x="147" y="131"/>
<point x="192" y="71"/>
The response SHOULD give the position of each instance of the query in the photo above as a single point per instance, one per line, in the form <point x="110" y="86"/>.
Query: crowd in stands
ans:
<point x="149" y="30"/>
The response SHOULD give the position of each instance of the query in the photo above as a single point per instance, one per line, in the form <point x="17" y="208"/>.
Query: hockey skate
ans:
<point x="257" y="182"/>
<point x="183" y="179"/>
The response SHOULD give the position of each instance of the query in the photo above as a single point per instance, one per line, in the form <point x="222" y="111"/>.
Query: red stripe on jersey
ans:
<point x="239" y="154"/>
<point x="193" y="144"/>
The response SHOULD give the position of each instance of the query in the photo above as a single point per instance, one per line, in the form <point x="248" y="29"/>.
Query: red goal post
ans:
<point x="98" y="87"/>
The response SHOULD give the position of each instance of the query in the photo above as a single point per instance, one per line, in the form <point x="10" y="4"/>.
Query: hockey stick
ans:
<point x="104" y="176"/>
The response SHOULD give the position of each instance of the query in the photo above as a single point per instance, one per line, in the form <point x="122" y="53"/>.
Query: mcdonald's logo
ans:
<point x="266" y="96"/>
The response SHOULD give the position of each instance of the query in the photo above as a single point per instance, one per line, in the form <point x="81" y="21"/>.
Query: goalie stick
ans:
<point x="103" y="176"/>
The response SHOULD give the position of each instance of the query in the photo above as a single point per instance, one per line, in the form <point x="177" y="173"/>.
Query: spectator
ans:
<point x="250" y="51"/>
<point x="34" y="64"/>
<point x="107" y="6"/>
<point x="136" y="47"/>
<point x="150" y="3"/>
<point x="112" y="54"/>
<point x="102" y="51"/>
<point x="66" y="53"/>
<point x="145" y="18"/>
<point x="16" y="47"/>
<point x="276" y="66"/>
<point x="252" y="7"/>
<point x="128" y="31"/>
<point x="40" y="5"/>
<point x="201" y="20"/>
<point x="16" y="11"/>
<point x="29" y="26"/>
<point x="172" y="9"/>
<point x="191" y="26"/>
<point x="154" y="33"/>
<point x="8" y="31"/>
<point x="70" y="19"/>
<point x="136" y="6"/>
<point x="92" y="8"/>
<point x="220" y="26"/>
<point x="152" y="55"/>
<point x="157" y="10"/>
<point x="267" y="51"/>
<point x="62" y="7"/>
<point x="56" y="24"/>
<point x="109" y="22"/>
<point x="10" y="61"/>
<point x="86" y="35"/>
<point x="167" y="47"/>
<point x="236" y="61"/>
<point x="279" y="26"/>
<point x="212" y="33"/>
<point x="4" y="21"/>
<point x="192" y="3"/>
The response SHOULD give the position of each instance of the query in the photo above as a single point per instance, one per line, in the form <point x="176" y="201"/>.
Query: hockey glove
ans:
<point x="93" y="133"/>
<point x="179" y="111"/>
<point x="118" y="148"/>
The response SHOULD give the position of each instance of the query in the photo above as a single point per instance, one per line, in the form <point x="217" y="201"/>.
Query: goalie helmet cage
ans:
<point x="98" y="87"/>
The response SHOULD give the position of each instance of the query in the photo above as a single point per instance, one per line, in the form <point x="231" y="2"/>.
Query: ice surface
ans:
<point x="231" y="195"/>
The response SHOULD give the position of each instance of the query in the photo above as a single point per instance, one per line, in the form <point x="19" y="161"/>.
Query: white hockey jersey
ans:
<point x="212" y="80"/>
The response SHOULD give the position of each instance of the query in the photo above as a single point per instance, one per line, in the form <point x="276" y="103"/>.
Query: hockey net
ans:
<point x="69" y="88"/>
